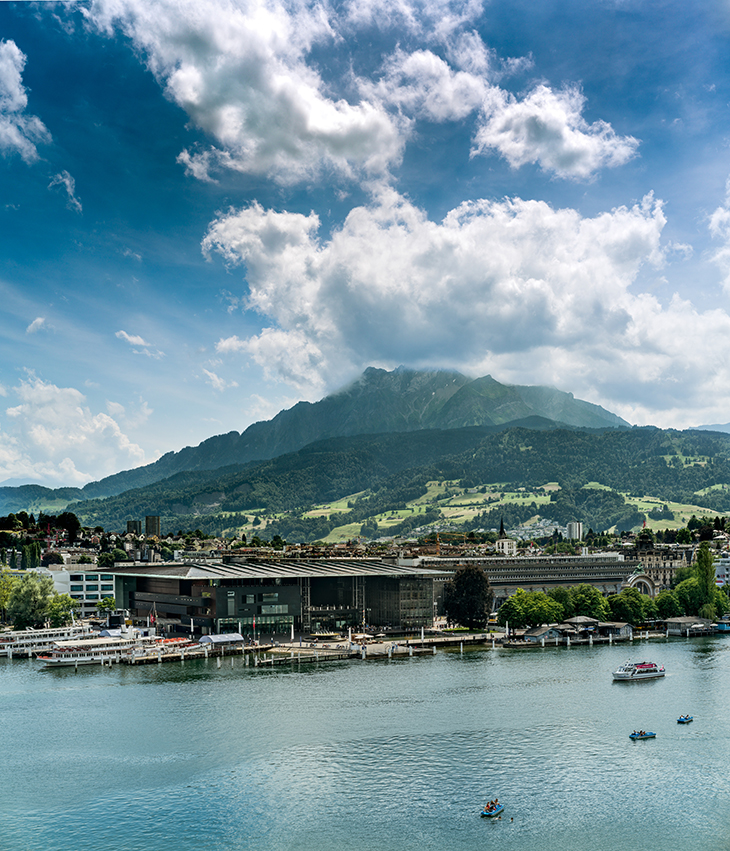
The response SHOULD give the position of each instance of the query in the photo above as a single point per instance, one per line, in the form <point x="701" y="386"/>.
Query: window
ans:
<point x="274" y="610"/>
<point x="92" y="577"/>
<point x="77" y="596"/>
<point x="270" y="598"/>
<point x="250" y="599"/>
<point x="92" y="587"/>
<point x="77" y="587"/>
<point x="77" y="577"/>
<point x="107" y="587"/>
<point x="107" y="577"/>
<point x="92" y="596"/>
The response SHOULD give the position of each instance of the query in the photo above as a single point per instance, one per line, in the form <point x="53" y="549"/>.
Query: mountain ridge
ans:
<point x="378" y="401"/>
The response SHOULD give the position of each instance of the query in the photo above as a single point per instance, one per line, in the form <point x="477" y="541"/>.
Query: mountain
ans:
<point x="724" y="428"/>
<point x="603" y="474"/>
<point x="378" y="402"/>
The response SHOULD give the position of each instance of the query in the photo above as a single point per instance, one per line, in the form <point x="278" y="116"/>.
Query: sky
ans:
<point x="212" y="209"/>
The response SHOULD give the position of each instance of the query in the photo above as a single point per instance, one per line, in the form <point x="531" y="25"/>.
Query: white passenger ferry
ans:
<point x="633" y="671"/>
<point x="29" y="642"/>
<point x="94" y="651"/>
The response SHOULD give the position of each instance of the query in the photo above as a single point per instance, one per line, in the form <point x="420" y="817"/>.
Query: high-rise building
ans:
<point x="575" y="531"/>
<point x="134" y="526"/>
<point x="152" y="525"/>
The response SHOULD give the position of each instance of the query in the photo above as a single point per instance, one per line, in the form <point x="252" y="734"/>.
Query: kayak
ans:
<point x="493" y="812"/>
<point x="637" y="736"/>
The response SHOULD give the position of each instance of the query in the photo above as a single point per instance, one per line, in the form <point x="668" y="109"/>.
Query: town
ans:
<point x="191" y="585"/>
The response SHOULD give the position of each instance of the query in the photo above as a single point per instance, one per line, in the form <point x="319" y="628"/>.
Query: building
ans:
<point x="575" y="530"/>
<point x="274" y="597"/>
<point x="152" y="526"/>
<point x="134" y="527"/>
<point x="722" y="569"/>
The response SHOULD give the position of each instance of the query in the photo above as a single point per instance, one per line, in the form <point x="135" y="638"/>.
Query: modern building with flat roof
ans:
<point x="272" y="596"/>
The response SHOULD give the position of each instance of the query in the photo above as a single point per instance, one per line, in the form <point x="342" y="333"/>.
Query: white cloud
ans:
<point x="425" y="86"/>
<point x="19" y="132"/>
<point x="54" y="438"/>
<point x="547" y="127"/>
<point x="516" y="288"/>
<point x="36" y="325"/>
<point x="65" y="180"/>
<point x="146" y="348"/>
<point x="240" y="71"/>
<point x="216" y="382"/>
<point x="132" y="339"/>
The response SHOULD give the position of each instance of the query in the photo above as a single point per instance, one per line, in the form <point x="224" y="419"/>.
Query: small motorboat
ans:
<point x="491" y="812"/>
<point x="685" y="719"/>
<point x="641" y="735"/>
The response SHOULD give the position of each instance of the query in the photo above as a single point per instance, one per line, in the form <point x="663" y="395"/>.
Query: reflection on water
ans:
<point x="387" y="755"/>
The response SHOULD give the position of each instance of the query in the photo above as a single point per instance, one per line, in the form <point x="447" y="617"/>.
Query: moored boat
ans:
<point x="29" y="642"/>
<point x="633" y="671"/>
<point x="94" y="651"/>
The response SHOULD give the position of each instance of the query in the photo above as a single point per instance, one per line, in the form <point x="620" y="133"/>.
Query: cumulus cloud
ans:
<point x="547" y="127"/>
<point x="530" y="293"/>
<point x="19" y="132"/>
<point x="65" y="180"/>
<point x="54" y="438"/>
<point x="240" y="71"/>
<point x="36" y="325"/>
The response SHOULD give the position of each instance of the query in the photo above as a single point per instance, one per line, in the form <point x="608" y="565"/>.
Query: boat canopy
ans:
<point x="223" y="638"/>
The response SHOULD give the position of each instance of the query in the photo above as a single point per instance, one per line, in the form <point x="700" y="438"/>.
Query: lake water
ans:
<point x="393" y="755"/>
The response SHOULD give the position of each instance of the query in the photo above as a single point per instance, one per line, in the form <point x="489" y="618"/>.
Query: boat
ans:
<point x="633" y="671"/>
<point x="685" y="719"/>
<point x="95" y="651"/>
<point x="30" y="642"/>
<point x="494" y="811"/>
<point x="641" y="735"/>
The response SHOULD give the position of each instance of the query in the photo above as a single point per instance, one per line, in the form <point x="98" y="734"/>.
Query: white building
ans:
<point x="575" y="530"/>
<point x="722" y="569"/>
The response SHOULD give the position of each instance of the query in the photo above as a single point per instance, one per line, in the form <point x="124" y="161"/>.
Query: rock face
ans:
<point x="377" y="402"/>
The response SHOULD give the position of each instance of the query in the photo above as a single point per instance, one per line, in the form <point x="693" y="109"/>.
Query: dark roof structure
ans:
<point x="272" y="569"/>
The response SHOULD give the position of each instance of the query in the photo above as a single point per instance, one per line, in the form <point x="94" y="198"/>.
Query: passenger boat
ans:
<point x="685" y="719"/>
<point x="94" y="651"/>
<point x="491" y="813"/>
<point x="641" y="735"/>
<point x="633" y="671"/>
<point x="30" y="642"/>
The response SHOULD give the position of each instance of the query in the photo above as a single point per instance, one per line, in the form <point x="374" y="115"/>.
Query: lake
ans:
<point x="394" y="755"/>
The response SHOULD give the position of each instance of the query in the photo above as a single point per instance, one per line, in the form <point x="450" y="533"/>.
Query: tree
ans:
<point x="632" y="606"/>
<point x="60" y="608"/>
<point x="468" y="597"/>
<point x="684" y="536"/>
<point x="705" y="572"/>
<point x="589" y="602"/>
<point x="106" y="605"/>
<point x="51" y="557"/>
<point x="540" y="609"/>
<point x="512" y="611"/>
<point x="689" y="595"/>
<point x="561" y="595"/>
<point x="7" y="581"/>
<point x="28" y="604"/>
<point x="668" y="605"/>
<point x="85" y="560"/>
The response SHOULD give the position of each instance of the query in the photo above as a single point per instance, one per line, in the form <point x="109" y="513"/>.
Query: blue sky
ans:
<point x="210" y="210"/>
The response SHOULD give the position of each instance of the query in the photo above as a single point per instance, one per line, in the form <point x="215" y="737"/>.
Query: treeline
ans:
<point x="694" y="594"/>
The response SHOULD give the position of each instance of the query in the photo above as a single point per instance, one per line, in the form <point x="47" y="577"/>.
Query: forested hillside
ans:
<point x="388" y="471"/>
